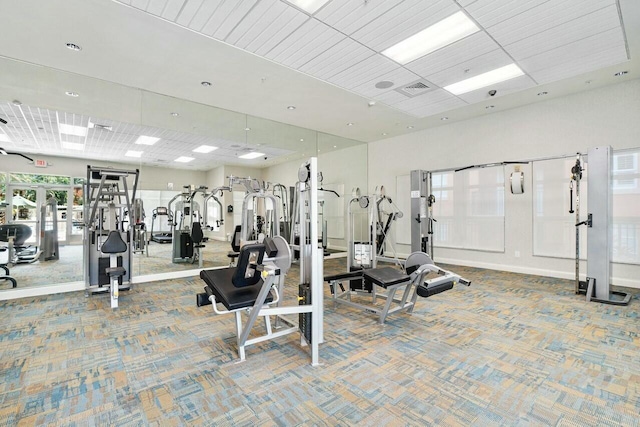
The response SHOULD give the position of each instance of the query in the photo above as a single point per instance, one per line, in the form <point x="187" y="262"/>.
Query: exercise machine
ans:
<point x="385" y="216"/>
<point x="386" y="281"/>
<point x="16" y="236"/>
<point x="140" y="243"/>
<point x="107" y="242"/>
<point x="187" y="229"/>
<point x="213" y="195"/>
<point x="285" y="197"/>
<point x="49" y="248"/>
<point x="422" y="201"/>
<point x="161" y="236"/>
<point x="597" y="286"/>
<point x="256" y="285"/>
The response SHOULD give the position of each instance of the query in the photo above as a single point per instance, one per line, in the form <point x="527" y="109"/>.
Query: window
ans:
<point x="469" y="209"/>
<point x="553" y="225"/>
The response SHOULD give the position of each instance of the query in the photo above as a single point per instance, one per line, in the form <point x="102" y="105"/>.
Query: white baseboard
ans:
<point x="533" y="271"/>
<point x="37" y="291"/>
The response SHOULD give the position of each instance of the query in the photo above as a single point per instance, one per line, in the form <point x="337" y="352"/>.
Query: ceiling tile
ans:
<point x="156" y="7"/>
<point x="579" y="57"/>
<point x="403" y="21"/>
<point x="490" y="12"/>
<point x="219" y="22"/>
<point x="140" y="4"/>
<point x="306" y="43"/>
<point x="473" y="67"/>
<point x="391" y="97"/>
<point x="172" y="9"/>
<point x="457" y="53"/>
<point x="366" y="70"/>
<point x="336" y="59"/>
<point x="349" y="16"/>
<point x="577" y="29"/>
<point x="430" y="103"/>
<point x="550" y="15"/>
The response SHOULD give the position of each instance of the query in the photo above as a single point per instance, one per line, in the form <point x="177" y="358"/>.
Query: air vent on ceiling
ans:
<point x="416" y="88"/>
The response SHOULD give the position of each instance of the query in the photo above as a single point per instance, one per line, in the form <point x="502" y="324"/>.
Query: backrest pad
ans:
<point x="246" y="273"/>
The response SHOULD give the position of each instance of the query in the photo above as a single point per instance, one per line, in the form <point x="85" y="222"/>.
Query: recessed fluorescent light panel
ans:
<point x="486" y="79"/>
<point x="147" y="140"/>
<point x="4" y="138"/>
<point x="309" y="6"/>
<point x="72" y="145"/>
<point x="132" y="153"/>
<point x="72" y="130"/>
<point x="437" y="36"/>
<point x="252" y="155"/>
<point x="183" y="159"/>
<point x="205" y="149"/>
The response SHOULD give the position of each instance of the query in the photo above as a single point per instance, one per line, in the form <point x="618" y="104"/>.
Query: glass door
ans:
<point x="25" y="206"/>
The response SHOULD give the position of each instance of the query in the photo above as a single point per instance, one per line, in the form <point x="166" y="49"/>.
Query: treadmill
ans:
<point x="161" y="236"/>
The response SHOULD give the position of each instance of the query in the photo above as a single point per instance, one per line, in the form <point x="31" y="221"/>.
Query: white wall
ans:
<point x="604" y="116"/>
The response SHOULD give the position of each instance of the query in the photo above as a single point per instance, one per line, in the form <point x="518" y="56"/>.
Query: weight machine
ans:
<point x="107" y="243"/>
<point x="256" y="285"/>
<point x="140" y="243"/>
<point x="49" y="248"/>
<point x="187" y="229"/>
<point x="205" y="212"/>
<point x="422" y="201"/>
<point x="162" y="236"/>
<point x="596" y="287"/>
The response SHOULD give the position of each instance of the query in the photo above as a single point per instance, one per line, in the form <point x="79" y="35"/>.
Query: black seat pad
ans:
<point x="386" y="276"/>
<point x="342" y="276"/>
<point x="220" y="283"/>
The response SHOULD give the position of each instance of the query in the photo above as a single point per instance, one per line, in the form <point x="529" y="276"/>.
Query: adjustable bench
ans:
<point x="417" y="266"/>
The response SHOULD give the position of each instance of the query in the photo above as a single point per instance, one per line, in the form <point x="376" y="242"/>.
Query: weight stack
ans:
<point x="304" y="319"/>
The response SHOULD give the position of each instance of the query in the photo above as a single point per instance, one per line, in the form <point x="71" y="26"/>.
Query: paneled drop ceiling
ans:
<point x="143" y="59"/>
<point x="342" y="42"/>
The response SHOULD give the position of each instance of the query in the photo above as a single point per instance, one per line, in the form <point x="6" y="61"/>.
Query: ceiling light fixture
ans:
<point x="251" y="155"/>
<point x="175" y="114"/>
<point x="291" y="107"/>
<point x="621" y="73"/>
<point x="147" y="140"/>
<point x="409" y="127"/>
<point x="444" y="118"/>
<point x="205" y="84"/>
<point x="485" y="79"/>
<point x="489" y="107"/>
<point x="349" y="124"/>
<point x="74" y="46"/>
<point x="16" y="102"/>
<point x="301" y="139"/>
<point x="437" y="36"/>
<point x="183" y="159"/>
<point x="72" y="145"/>
<point x="72" y="130"/>
<point x="204" y="149"/>
<point x="543" y="93"/>
<point x="335" y="146"/>
<point x="384" y="134"/>
<point x="3" y="152"/>
<point x="4" y="138"/>
<point x="309" y="6"/>
<point x="72" y="94"/>
<point x="132" y="153"/>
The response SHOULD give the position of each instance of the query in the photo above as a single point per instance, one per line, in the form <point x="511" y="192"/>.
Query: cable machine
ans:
<point x="422" y="201"/>
<point x="107" y="243"/>
<point x="140" y="243"/>
<point x="162" y="236"/>
<point x="187" y="230"/>
<point x="597" y="285"/>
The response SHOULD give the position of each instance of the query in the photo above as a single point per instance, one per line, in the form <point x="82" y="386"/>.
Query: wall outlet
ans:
<point x="517" y="254"/>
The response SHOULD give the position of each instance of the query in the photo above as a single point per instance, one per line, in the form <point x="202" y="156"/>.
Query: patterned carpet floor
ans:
<point x="509" y="350"/>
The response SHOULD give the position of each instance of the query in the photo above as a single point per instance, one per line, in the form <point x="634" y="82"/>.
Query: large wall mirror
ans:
<point x="107" y="119"/>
